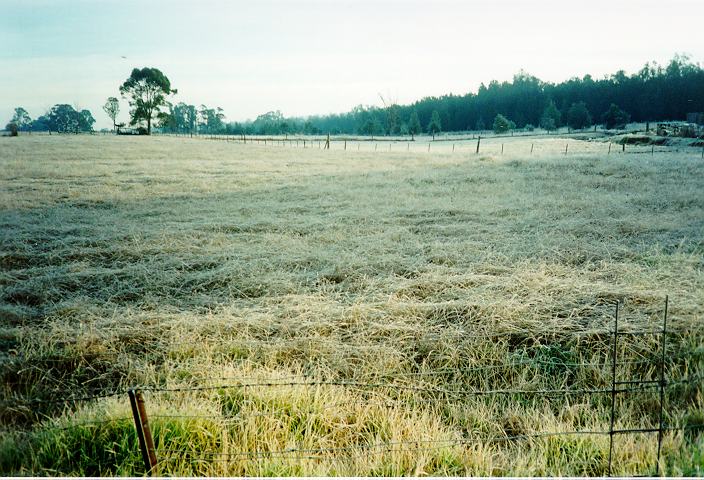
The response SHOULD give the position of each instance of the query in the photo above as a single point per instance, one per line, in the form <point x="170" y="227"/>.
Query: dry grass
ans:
<point x="175" y="262"/>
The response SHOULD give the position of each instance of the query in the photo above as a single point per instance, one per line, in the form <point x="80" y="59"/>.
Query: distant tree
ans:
<point x="12" y="128"/>
<point x="148" y="89"/>
<point x="481" y="126"/>
<point x="502" y="124"/>
<point x="269" y="123"/>
<point x="21" y="119"/>
<point x="550" y="120"/>
<point x="112" y="109"/>
<point x="166" y="121"/>
<point x="41" y="124"/>
<point x="434" y="126"/>
<point x="190" y="117"/>
<point x="414" y="127"/>
<point x="372" y="126"/>
<point x="578" y="116"/>
<point x="393" y="117"/>
<point x="615" y="117"/>
<point x="63" y="118"/>
<point x="211" y="120"/>
<point x="85" y="121"/>
<point x="308" y="128"/>
<point x="529" y="127"/>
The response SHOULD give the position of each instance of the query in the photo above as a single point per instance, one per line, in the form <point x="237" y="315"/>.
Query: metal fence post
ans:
<point x="662" y="385"/>
<point x="613" y="388"/>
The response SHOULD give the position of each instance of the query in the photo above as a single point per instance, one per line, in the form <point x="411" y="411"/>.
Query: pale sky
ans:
<point x="311" y="57"/>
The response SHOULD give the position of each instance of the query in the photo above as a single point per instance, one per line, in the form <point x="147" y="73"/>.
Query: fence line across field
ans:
<point x="476" y="145"/>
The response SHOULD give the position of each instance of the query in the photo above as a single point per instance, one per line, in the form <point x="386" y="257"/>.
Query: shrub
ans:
<point x="615" y="117"/>
<point x="501" y="124"/>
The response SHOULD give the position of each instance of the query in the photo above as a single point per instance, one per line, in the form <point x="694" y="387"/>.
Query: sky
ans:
<point x="316" y="57"/>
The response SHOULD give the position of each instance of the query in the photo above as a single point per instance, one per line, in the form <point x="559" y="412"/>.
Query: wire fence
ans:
<point x="388" y="392"/>
<point x="496" y="145"/>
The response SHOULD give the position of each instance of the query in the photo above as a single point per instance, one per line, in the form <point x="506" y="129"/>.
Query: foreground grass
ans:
<point x="178" y="262"/>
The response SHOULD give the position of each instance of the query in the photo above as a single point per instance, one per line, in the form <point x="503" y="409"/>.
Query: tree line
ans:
<point x="655" y="92"/>
<point x="61" y="118"/>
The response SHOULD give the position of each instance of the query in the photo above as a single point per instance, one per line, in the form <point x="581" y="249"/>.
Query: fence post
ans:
<point x="144" y="433"/>
<point x="531" y="148"/>
<point x="566" y="146"/>
<point x="502" y="149"/>
<point x="613" y="388"/>
<point x="479" y="139"/>
<point x="662" y="385"/>
<point x="609" y="148"/>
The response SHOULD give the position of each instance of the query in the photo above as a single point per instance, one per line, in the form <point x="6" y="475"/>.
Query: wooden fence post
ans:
<point x="144" y="433"/>
<point x="479" y="139"/>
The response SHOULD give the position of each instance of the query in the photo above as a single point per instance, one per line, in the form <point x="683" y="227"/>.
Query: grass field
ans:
<point x="176" y="262"/>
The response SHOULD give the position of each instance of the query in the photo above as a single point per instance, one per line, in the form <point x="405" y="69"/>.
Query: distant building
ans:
<point x="697" y="117"/>
<point x="677" y="129"/>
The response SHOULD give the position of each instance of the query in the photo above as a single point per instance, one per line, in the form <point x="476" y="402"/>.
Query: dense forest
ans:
<point x="654" y="93"/>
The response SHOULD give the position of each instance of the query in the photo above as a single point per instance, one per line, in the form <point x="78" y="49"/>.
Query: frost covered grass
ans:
<point x="180" y="262"/>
